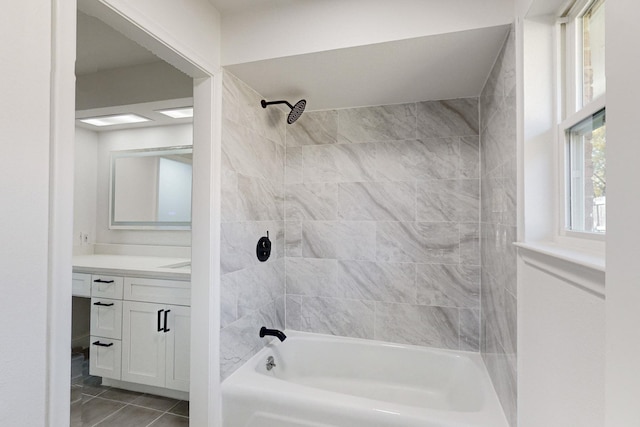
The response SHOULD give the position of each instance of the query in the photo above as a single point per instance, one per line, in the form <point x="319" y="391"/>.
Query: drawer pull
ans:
<point x="98" y="343"/>
<point x="102" y="281"/>
<point x="103" y="304"/>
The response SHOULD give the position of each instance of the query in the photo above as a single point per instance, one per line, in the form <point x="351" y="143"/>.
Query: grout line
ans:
<point x="111" y="414"/>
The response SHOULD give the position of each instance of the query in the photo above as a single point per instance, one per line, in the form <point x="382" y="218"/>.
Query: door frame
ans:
<point x="205" y="277"/>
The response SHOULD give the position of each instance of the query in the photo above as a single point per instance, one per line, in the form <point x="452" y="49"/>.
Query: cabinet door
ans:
<point x="106" y="318"/>
<point x="143" y="343"/>
<point x="178" y="344"/>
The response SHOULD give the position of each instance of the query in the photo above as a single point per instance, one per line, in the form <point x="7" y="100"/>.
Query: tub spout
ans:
<point x="273" y="332"/>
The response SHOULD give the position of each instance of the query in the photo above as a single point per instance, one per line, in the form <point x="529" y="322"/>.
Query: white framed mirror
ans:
<point x="150" y="189"/>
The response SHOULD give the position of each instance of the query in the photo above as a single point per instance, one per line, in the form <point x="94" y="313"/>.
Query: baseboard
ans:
<point x="142" y="388"/>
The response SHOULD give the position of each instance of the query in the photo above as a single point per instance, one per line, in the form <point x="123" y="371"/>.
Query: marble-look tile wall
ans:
<point x="382" y="223"/>
<point x="252" y="203"/>
<point x="498" y="227"/>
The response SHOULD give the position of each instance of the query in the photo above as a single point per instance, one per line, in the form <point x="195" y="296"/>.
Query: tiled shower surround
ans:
<point x="498" y="225"/>
<point x="377" y="221"/>
<point x="382" y="223"/>
<point x="252" y="204"/>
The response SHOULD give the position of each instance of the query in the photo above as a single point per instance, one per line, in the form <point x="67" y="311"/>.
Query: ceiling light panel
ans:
<point x="178" y="113"/>
<point x="118" y="119"/>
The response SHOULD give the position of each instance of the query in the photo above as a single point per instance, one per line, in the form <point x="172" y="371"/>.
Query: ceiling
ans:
<point x="232" y="6"/>
<point x="99" y="47"/>
<point x="445" y="66"/>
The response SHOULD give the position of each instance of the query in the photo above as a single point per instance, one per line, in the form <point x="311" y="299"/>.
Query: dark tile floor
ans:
<point x="93" y="404"/>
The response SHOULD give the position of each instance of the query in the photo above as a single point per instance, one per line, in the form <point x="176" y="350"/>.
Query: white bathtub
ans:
<point x="326" y="381"/>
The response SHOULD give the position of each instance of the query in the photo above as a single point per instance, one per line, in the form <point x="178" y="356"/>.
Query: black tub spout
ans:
<point x="273" y="332"/>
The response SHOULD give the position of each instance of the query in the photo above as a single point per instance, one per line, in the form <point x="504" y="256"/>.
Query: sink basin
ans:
<point x="177" y="265"/>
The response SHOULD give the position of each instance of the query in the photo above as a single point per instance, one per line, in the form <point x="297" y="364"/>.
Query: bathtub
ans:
<point x="327" y="381"/>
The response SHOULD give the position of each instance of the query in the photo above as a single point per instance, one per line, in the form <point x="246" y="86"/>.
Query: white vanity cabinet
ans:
<point x="155" y="347"/>
<point x="140" y="330"/>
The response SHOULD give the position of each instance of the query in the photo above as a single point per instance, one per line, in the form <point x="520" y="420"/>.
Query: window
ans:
<point x="583" y="130"/>
<point x="593" y="81"/>
<point x="586" y="180"/>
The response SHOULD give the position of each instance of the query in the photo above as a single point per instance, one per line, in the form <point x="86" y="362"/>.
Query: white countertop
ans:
<point x="139" y="266"/>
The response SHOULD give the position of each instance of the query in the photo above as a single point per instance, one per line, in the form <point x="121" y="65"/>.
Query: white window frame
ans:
<point x="572" y="112"/>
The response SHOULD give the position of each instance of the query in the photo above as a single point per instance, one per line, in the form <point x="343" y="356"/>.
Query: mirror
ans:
<point x="151" y="189"/>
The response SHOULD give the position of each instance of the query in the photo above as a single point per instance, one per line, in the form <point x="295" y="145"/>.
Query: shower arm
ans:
<point x="265" y="103"/>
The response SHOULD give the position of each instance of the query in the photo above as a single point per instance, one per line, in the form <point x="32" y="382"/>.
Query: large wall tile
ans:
<point x="455" y="117"/>
<point x="258" y="284"/>
<point x="293" y="238"/>
<point x="470" y="243"/>
<point x="413" y="324"/>
<point x="312" y="128"/>
<point x="470" y="157"/>
<point x="293" y="165"/>
<point x="339" y="240"/>
<point x="313" y="201"/>
<point x="343" y="317"/>
<point x="229" y="196"/>
<point x="259" y="199"/>
<point x="469" y="330"/>
<point x="378" y="201"/>
<point x="250" y="154"/>
<point x="416" y="160"/>
<point x="377" y="281"/>
<point x="339" y="163"/>
<point x="311" y="276"/>
<point x="448" y="200"/>
<point x="382" y="123"/>
<point x="448" y="285"/>
<point x="418" y="242"/>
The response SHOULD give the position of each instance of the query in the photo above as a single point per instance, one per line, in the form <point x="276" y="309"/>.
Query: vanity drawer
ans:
<point x="106" y="286"/>
<point x="106" y="318"/>
<point x="105" y="357"/>
<point x="157" y="290"/>
<point x="81" y="285"/>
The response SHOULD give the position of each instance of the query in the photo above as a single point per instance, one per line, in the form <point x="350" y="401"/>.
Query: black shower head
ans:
<point x="296" y="110"/>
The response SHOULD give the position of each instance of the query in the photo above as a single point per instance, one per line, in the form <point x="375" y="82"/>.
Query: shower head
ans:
<point x="296" y="110"/>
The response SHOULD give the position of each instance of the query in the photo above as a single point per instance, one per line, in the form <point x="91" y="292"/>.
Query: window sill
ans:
<point x="583" y="269"/>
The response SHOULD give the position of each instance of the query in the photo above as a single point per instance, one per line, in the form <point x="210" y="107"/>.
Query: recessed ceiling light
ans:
<point x="118" y="119"/>
<point x="178" y="113"/>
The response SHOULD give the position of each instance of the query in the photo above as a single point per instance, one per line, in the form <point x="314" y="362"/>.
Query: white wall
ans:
<point x="85" y="186"/>
<point x="130" y="139"/>
<point x="157" y="81"/>
<point x="561" y="332"/>
<point x="623" y="227"/>
<point x="301" y="27"/>
<point x="24" y="191"/>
